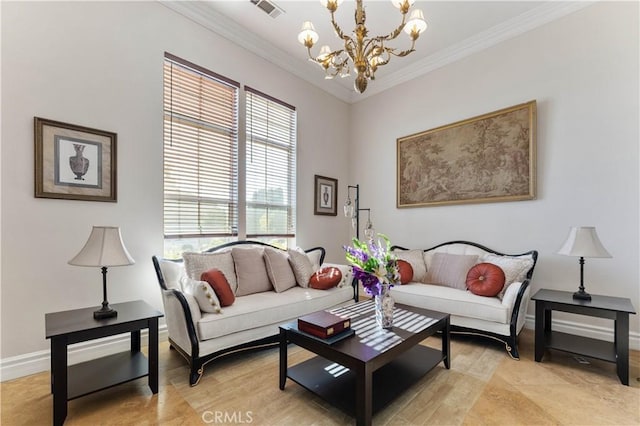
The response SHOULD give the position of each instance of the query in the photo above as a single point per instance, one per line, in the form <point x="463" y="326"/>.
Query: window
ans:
<point x="270" y="168"/>
<point x="201" y="159"/>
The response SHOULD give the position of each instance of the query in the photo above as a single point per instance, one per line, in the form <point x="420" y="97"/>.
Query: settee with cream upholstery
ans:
<point x="202" y="329"/>
<point x="500" y="317"/>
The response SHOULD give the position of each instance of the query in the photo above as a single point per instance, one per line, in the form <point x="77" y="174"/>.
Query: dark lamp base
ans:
<point x="581" y="295"/>
<point x="105" y="313"/>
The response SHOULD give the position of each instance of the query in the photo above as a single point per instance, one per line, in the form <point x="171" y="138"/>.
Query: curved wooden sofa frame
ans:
<point x="197" y="361"/>
<point x="511" y="341"/>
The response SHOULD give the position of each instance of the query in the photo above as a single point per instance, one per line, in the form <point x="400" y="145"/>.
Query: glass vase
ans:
<point x="384" y="307"/>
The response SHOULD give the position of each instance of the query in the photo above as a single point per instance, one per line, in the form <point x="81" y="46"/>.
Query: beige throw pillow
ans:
<point x="203" y="293"/>
<point x="301" y="266"/>
<point x="416" y="260"/>
<point x="197" y="263"/>
<point x="278" y="269"/>
<point x="314" y="257"/>
<point x="450" y="269"/>
<point x="515" y="268"/>
<point x="172" y="272"/>
<point x="251" y="271"/>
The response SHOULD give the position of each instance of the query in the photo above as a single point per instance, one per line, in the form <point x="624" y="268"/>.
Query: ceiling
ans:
<point x="456" y="29"/>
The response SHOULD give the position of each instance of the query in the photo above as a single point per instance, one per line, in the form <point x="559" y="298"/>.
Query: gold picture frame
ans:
<point x="74" y="162"/>
<point x="488" y="158"/>
<point x="325" y="196"/>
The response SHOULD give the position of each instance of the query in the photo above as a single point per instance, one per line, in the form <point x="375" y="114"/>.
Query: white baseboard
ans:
<point x="37" y="362"/>
<point x="585" y="330"/>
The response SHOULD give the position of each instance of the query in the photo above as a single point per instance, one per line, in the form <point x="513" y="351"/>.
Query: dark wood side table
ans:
<point x="615" y="308"/>
<point x="68" y="327"/>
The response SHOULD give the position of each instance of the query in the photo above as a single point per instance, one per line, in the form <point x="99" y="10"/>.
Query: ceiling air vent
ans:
<point x="268" y="7"/>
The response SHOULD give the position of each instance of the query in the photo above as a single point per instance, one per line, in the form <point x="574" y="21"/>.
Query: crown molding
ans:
<point x="521" y="24"/>
<point x="203" y="14"/>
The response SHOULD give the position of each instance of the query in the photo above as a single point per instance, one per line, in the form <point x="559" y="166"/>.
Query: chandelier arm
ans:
<point x="402" y="52"/>
<point x="386" y="59"/>
<point x="368" y="49"/>
<point x="349" y="45"/>
<point x="329" y="56"/>
<point x="337" y="28"/>
<point x="331" y="67"/>
<point x="341" y="63"/>
<point x="311" y="56"/>
<point x="333" y="73"/>
<point x="395" y="33"/>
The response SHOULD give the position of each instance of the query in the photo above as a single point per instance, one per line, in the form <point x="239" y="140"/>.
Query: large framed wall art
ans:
<point x="488" y="158"/>
<point x="74" y="162"/>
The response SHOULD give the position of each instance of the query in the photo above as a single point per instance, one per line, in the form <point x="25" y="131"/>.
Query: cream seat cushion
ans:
<point x="453" y="301"/>
<point x="259" y="309"/>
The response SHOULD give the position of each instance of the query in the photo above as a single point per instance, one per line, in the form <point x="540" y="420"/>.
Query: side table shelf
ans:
<point x="613" y="308"/>
<point x="579" y="345"/>
<point x="122" y="367"/>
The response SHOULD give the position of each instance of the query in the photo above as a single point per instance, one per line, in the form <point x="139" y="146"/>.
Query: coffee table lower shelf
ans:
<point x="388" y="381"/>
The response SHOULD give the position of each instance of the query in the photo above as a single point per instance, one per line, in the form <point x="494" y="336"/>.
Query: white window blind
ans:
<point x="270" y="166"/>
<point x="200" y="151"/>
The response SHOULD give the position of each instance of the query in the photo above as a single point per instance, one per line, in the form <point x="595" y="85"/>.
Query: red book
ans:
<point x="323" y="324"/>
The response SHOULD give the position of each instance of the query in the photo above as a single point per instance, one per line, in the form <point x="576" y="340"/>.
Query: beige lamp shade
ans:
<point x="103" y="248"/>
<point x="583" y="241"/>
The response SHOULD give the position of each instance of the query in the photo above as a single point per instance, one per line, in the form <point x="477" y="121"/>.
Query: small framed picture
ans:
<point x="326" y="196"/>
<point x="74" y="162"/>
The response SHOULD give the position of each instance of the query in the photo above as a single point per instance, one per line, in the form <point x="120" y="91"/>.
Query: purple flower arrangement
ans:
<point x="373" y="264"/>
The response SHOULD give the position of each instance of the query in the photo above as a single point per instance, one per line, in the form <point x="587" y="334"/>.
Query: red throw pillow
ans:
<point x="325" y="278"/>
<point x="220" y="286"/>
<point x="406" y="271"/>
<point x="485" y="279"/>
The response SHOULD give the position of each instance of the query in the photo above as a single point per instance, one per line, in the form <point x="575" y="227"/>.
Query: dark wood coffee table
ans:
<point x="368" y="370"/>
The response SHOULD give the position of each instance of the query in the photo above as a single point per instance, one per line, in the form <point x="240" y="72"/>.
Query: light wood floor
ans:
<point x="483" y="387"/>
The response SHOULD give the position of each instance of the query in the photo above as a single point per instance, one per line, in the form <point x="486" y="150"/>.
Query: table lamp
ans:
<point x="104" y="248"/>
<point x="583" y="242"/>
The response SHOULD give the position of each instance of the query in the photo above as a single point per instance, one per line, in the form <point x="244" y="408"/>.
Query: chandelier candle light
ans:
<point x="367" y="54"/>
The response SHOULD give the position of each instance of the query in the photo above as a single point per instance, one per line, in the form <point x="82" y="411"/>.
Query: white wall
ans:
<point x="583" y="72"/>
<point x="100" y="65"/>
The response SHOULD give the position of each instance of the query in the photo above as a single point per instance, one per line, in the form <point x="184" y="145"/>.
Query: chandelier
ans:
<point x="366" y="54"/>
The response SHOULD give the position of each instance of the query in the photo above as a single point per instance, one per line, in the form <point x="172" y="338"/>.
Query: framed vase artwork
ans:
<point x="74" y="162"/>
<point x="325" y="196"/>
<point x="483" y="159"/>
